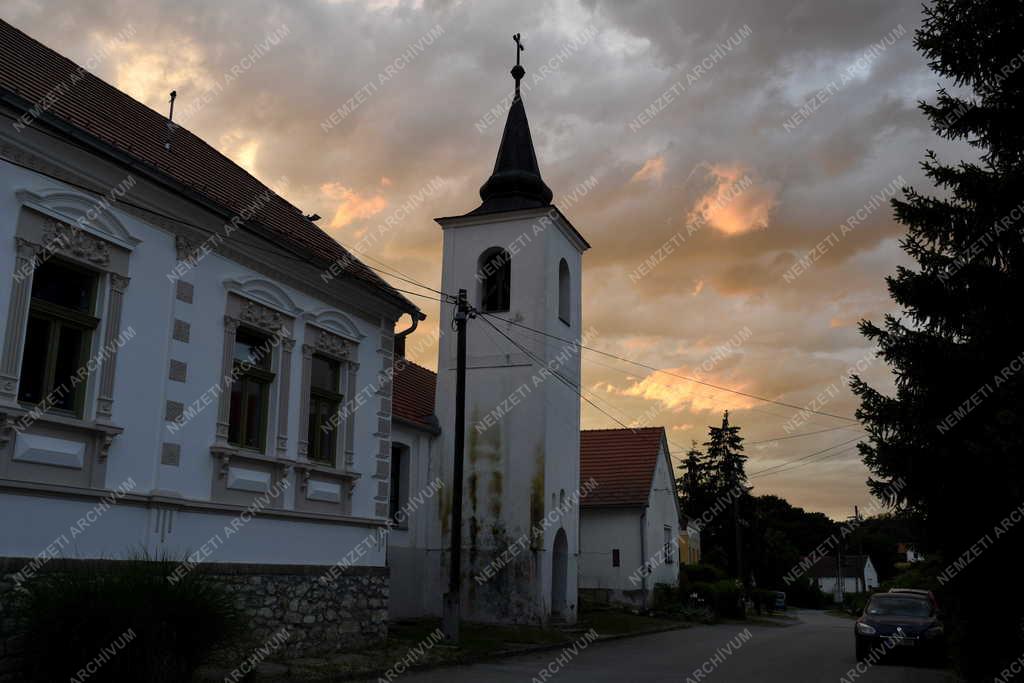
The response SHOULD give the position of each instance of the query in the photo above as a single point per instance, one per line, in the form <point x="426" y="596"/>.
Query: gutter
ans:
<point x="399" y="347"/>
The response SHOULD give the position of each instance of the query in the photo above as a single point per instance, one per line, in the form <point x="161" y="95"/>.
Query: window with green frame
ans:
<point x="58" y="337"/>
<point x="324" y="404"/>
<point x="250" y="390"/>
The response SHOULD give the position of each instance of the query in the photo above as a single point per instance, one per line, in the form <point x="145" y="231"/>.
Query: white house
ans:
<point x="857" y="575"/>
<point x="189" y="365"/>
<point x="630" y="522"/>
<point x="689" y="542"/>
<point x="907" y="552"/>
<point x="520" y="260"/>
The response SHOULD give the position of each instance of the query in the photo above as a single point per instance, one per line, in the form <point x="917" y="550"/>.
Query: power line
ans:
<point x="797" y="436"/>
<point x="673" y="374"/>
<point x="774" y="469"/>
<point x="814" y="462"/>
<point x="539" y="363"/>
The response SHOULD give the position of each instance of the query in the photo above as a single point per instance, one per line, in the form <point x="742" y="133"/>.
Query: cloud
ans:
<point x="677" y="395"/>
<point x="652" y="170"/>
<point x="736" y="202"/>
<point x="350" y="205"/>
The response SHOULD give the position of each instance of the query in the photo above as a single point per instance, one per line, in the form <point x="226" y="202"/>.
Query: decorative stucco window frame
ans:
<point x="42" y="446"/>
<point x="243" y="473"/>
<point x="323" y="488"/>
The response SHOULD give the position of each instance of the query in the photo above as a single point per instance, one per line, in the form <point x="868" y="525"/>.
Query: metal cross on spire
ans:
<point x="518" y="71"/>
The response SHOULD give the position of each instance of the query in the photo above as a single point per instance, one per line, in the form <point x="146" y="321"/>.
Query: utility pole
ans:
<point x="452" y="610"/>
<point x="736" y="534"/>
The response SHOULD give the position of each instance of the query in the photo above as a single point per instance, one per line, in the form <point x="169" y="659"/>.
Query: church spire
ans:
<point x="515" y="182"/>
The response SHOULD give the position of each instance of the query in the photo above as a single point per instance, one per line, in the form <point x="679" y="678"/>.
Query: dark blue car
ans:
<point x="899" y="622"/>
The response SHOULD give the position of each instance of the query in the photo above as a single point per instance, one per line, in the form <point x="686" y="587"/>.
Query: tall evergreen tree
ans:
<point x="725" y="459"/>
<point x="691" y="481"/>
<point x="727" y="477"/>
<point x="947" y="444"/>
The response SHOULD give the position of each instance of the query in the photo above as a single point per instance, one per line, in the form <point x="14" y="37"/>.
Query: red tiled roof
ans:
<point x="63" y="90"/>
<point x="413" y="394"/>
<point x="622" y="462"/>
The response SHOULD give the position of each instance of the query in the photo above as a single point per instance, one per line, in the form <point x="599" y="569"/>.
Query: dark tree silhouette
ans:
<point x="728" y="481"/>
<point x="950" y="437"/>
<point x="691" y="483"/>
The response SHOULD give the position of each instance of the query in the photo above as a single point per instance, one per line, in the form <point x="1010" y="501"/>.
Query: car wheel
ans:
<point x="861" y="650"/>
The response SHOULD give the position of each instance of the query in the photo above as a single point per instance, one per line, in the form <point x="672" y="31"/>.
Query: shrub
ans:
<point x="666" y="596"/>
<point x="127" y="617"/>
<point x="764" y="600"/>
<point x="805" y="593"/>
<point x="854" y="603"/>
<point x="723" y="597"/>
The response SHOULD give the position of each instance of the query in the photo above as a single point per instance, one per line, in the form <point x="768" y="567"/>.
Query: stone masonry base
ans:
<point x="348" y="612"/>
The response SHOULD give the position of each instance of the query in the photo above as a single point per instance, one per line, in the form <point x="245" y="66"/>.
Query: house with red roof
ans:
<point x="630" y="523"/>
<point x="189" y="365"/>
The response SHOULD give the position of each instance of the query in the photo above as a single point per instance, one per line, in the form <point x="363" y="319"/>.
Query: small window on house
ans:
<point x="615" y="557"/>
<point x="564" y="293"/>
<point x="324" y="404"/>
<point x="58" y="337"/>
<point x="669" y="544"/>
<point x="495" y="273"/>
<point x="399" y="495"/>
<point x="250" y="390"/>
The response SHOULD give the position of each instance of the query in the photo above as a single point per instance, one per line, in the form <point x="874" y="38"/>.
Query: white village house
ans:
<point x="630" y="523"/>
<point x="856" y="575"/>
<point x="169" y="336"/>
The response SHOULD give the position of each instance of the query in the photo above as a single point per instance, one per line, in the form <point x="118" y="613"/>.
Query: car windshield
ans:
<point x="899" y="607"/>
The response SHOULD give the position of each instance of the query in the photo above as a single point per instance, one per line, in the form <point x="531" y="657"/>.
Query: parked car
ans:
<point x="899" y="621"/>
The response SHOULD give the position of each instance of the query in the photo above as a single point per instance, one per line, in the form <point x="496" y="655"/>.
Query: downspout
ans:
<point x="643" y="554"/>
<point x="400" y="336"/>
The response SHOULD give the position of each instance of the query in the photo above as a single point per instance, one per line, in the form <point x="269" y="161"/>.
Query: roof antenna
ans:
<point x="170" y="122"/>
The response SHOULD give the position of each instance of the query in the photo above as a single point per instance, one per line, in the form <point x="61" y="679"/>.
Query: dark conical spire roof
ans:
<point x="515" y="182"/>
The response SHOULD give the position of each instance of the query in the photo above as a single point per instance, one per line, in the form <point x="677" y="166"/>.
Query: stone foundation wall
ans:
<point x="346" y="614"/>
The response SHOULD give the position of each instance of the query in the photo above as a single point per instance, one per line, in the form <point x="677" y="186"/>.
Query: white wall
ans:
<point x="662" y="511"/>
<point x="601" y="530"/>
<point x="530" y="457"/>
<point x="142" y="387"/>
<point x="415" y="577"/>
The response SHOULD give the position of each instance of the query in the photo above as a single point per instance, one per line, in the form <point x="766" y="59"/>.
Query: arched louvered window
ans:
<point x="495" y="273"/>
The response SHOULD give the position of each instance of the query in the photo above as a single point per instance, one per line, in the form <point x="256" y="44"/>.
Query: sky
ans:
<point x="730" y="162"/>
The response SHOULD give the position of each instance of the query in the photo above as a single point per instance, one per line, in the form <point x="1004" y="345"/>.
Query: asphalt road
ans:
<point x="819" y="648"/>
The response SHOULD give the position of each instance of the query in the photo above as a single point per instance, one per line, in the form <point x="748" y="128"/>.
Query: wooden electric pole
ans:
<point x="452" y="610"/>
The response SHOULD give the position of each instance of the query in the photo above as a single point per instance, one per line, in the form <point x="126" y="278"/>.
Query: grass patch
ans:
<point x="614" y="623"/>
<point x="476" y="639"/>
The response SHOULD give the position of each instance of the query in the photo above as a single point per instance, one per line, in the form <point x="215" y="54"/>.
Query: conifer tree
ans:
<point x="947" y="444"/>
